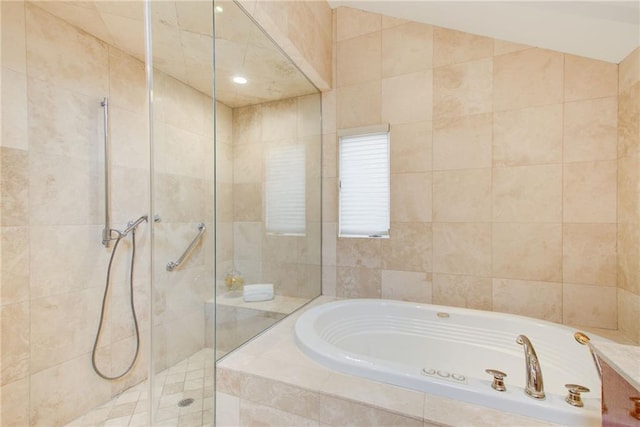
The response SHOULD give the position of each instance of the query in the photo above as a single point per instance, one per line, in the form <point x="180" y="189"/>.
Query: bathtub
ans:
<point x="445" y="351"/>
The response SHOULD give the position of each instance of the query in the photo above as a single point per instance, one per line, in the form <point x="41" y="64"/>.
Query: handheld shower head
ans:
<point x="133" y="224"/>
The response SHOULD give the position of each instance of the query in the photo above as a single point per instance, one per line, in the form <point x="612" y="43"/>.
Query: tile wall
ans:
<point x="291" y="263"/>
<point x="53" y="79"/>
<point x="629" y="196"/>
<point x="503" y="171"/>
<point x="302" y="29"/>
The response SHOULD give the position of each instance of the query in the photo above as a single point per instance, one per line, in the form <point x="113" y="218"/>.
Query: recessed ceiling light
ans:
<point x="240" y="80"/>
<point x="219" y="9"/>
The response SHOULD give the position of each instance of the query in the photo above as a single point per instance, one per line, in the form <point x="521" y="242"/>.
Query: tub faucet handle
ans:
<point x="498" y="379"/>
<point x="573" y="398"/>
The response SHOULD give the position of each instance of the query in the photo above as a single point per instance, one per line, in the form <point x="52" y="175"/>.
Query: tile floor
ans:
<point x="191" y="378"/>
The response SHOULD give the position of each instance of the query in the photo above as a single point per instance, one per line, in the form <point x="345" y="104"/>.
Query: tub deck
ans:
<point x="270" y="379"/>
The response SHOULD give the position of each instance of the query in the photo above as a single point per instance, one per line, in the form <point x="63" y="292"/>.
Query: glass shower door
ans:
<point x="182" y="186"/>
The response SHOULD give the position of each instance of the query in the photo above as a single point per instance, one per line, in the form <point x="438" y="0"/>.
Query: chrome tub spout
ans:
<point x="535" y="385"/>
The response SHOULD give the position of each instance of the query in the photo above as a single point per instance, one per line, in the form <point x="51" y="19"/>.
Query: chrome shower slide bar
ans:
<point x="106" y="232"/>
<point x="174" y="265"/>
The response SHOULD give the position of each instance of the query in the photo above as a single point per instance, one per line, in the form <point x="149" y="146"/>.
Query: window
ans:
<point x="285" y="190"/>
<point x="364" y="182"/>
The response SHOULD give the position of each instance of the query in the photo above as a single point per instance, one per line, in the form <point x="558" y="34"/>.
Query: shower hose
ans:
<point x="104" y="303"/>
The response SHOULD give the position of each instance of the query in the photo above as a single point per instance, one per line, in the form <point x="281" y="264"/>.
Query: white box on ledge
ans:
<point x="258" y="292"/>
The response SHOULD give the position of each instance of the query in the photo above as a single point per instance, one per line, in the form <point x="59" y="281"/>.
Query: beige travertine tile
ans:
<point x="589" y="254"/>
<point x="392" y="21"/>
<point x="462" y="142"/>
<point x="359" y="105"/>
<point x="527" y="193"/>
<point x="14" y="109"/>
<point x="69" y="399"/>
<point x="85" y="260"/>
<point x="63" y="327"/>
<point x="501" y="47"/>
<point x="247" y="124"/>
<point x="629" y="121"/>
<point x="14" y="273"/>
<point x="356" y="252"/>
<point x="353" y="22"/>
<point x="248" y="162"/>
<point x="14" y="177"/>
<point x="462" y="195"/>
<point x="54" y="182"/>
<point x="462" y="291"/>
<point x="328" y="112"/>
<point x="398" y="399"/>
<point x="628" y="204"/>
<point x="129" y="139"/>
<point x="407" y="98"/>
<point x="357" y="282"/>
<point x="589" y="306"/>
<point x="280" y="396"/>
<point x="528" y="136"/>
<point x="463" y="89"/>
<point x="329" y="243"/>
<point x="15" y="342"/>
<point x="330" y="199"/>
<point x="329" y="279"/>
<point x="15" y="401"/>
<point x="444" y="411"/>
<point x="359" y="59"/>
<point x="409" y="247"/>
<point x="14" y="51"/>
<point x="127" y="82"/>
<point x="309" y="115"/>
<point x="255" y="414"/>
<point x="406" y="48"/>
<point x="411" y="197"/>
<point x="629" y="71"/>
<point x="279" y="120"/>
<point x="628" y="314"/>
<point x="329" y="155"/>
<point x="183" y="106"/>
<point x="182" y="153"/>
<point x="339" y="411"/>
<point x="584" y="183"/>
<point x="542" y="300"/>
<point x="587" y="78"/>
<point x="411" y="147"/>
<point x="462" y="248"/>
<point x="628" y="257"/>
<point x="527" y="78"/>
<point x="184" y="199"/>
<point x="62" y="121"/>
<point x="63" y="55"/>
<point x="453" y="47"/>
<point x="406" y="286"/>
<point x="590" y="130"/>
<point x="227" y="410"/>
<point x="527" y="251"/>
<point x="247" y="202"/>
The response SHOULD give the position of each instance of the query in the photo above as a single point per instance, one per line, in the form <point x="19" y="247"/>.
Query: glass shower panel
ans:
<point x="268" y="165"/>
<point x="182" y="207"/>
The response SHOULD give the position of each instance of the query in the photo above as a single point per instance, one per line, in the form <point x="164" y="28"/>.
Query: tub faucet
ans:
<point x="535" y="386"/>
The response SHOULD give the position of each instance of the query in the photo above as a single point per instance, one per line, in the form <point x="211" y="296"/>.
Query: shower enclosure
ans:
<point x="227" y="176"/>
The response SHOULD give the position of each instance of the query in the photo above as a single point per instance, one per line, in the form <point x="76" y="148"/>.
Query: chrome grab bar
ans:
<point x="173" y="265"/>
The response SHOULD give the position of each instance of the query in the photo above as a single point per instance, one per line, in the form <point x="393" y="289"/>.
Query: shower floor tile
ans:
<point x="187" y="379"/>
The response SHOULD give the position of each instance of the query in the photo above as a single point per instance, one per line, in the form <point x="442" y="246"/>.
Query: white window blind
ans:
<point x="364" y="185"/>
<point x="285" y="190"/>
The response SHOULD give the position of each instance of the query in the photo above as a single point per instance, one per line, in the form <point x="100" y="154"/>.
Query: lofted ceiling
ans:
<point x="182" y="34"/>
<point x="604" y="30"/>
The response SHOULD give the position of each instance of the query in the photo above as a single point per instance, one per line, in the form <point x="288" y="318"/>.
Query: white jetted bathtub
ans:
<point x="445" y="351"/>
